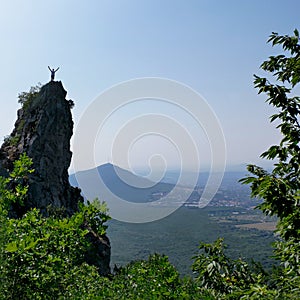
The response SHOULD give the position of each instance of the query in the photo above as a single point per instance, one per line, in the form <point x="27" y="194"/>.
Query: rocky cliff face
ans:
<point x="43" y="130"/>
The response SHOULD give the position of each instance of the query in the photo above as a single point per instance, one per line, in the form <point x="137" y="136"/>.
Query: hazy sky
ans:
<point x="214" y="47"/>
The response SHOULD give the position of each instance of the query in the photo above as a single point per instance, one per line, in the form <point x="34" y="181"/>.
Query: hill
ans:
<point x="120" y="182"/>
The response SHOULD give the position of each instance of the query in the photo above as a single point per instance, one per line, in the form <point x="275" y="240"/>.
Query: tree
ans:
<point x="45" y="258"/>
<point x="26" y="97"/>
<point x="280" y="189"/>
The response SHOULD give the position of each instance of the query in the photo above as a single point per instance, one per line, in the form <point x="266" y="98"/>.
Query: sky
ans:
<point x="211" y="47"/>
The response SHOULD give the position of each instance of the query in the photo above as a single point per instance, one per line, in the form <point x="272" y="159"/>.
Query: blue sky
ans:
<point x="214" y="47"/>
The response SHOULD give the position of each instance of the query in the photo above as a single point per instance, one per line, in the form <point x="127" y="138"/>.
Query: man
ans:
<point x="52" y="72"/>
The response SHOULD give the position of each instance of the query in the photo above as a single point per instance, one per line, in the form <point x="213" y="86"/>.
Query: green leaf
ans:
<point x="11" y="247"/>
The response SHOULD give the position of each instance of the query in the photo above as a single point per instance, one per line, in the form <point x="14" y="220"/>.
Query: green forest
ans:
<point x="46" y="257"/>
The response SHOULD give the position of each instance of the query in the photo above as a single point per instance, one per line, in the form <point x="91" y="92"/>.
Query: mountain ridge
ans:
<point x="140" y="190"/>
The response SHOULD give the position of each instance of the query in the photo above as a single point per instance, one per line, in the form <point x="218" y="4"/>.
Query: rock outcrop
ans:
<point x="43" y="131"/>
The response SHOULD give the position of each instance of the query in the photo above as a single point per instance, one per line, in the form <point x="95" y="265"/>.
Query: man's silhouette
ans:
<point x="52" y="72"/>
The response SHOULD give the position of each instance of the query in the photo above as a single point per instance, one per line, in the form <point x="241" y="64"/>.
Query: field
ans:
<point x="269" y="226"/>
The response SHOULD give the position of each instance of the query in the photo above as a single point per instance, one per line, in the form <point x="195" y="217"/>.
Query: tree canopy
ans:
<point x="280" y="189"/>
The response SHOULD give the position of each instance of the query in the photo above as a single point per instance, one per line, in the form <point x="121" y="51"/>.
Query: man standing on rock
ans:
<point x="52" y="72"/>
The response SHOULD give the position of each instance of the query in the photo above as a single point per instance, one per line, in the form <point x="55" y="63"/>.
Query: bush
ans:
<point x="40" y="256"/>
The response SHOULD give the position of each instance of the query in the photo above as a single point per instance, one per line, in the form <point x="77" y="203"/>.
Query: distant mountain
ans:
<point x="120" y="182"/>
<point x="135" y="188"/>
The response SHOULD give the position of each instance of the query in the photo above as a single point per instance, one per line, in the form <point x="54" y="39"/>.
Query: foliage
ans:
<point x="71" y="103"/>
<point x="12" y="140"/>
<point x="39" y="256"/>
<point x="39" y="252"/>
<point x="95" y="215"/>
<point x="14" y="188"/>
<point x="154" y="278"/>
<point x="280" y="189"/>
<point x="217" y="271"/>
<point x="235" y="279"/>
<point x="25" y="98"/>
<point x="158" y="271"/>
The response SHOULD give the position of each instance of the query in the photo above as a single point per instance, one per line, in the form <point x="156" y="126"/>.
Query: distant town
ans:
<point x="230" y="194"/>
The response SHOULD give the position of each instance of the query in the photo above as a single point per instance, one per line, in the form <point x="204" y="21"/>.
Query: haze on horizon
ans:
<point x="213" y="47"/>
